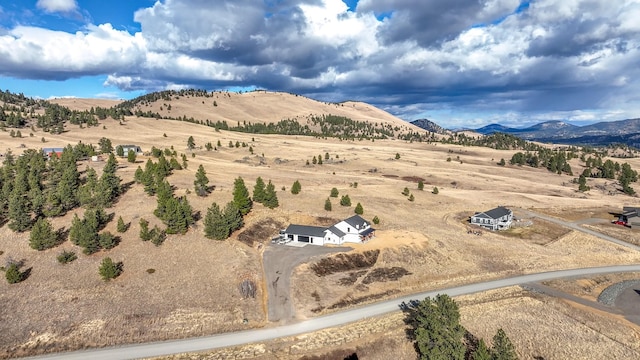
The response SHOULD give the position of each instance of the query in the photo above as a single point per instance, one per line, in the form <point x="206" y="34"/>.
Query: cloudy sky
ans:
<point x="461" y="63"/>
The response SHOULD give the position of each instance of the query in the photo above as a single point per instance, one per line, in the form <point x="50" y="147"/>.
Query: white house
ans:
<point x="354" y="229"/>
<point x="499" y="218"/>
<point x="125" y="149"/>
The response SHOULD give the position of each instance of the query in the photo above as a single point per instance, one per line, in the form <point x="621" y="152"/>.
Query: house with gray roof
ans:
<point x="499" y="218"/>
<point x="354" y="229"/>
<point x="630" y="216"/>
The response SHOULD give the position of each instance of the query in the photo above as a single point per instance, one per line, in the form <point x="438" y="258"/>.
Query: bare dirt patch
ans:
<point x="260" y="232"/>
<point x="385" y="274"/>
<point x="345" y="262"/>
<point x="575" y="214"/>
<point x="540" y="232"/>
<point x="414" y="179"/>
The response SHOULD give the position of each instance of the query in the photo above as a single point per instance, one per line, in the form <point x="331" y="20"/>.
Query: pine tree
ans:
<point x="232" y="217"/>
<point x="121" y="226"/>
<point x="87" y="195"/>
<point x="482" y="352"/>
<point x="435" y="190"/>
<point x="19" y="216"/>
<point x="345" y="200"/>
<point x="259" y="191"/>
<point x="359" y="210"/>
<point x="109" y="270"/>
<point x="241" y="196"/>
<point x="296" y="187"/>
<point x="376" y="220"/>
<point x="420" y="185"/>
<point x="405" y="191"/>
<point x="411" y="198"/>
<point x="201" y="182"/>
<point x="145" y="235"/>
<point x="131" y="156"/>
<point x="582" y="184"/>
<point x="334" y="192"/>
<point x="42" y="235"/>
<point x="271" y="199"/>
<point x="13" y="274"/>
<point x="109" y="186"/>
<point x="503" y="349"/>
<point x="177" y="215"/>
<point x="327" y="205"/>
<point x="120" y="150"/>
<point x="438" y="332"/>
<point x="215" y="225"/>
<point x="107" y="240"/>
<point x="191" y="143"/>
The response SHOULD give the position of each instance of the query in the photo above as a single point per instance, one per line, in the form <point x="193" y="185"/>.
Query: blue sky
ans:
<point x="461" y="63"/>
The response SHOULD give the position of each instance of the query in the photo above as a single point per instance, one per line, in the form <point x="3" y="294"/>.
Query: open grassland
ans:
<point x="194" y="289"/>
<point x="541" y="327"/>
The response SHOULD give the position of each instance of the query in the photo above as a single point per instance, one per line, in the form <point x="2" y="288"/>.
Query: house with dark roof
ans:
<point x="630" y="216"/>
<point x="354" y="229"/>
<point x="499" y="218"/>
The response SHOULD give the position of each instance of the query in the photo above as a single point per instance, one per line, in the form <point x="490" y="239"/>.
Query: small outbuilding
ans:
<point x="499" y="218"/>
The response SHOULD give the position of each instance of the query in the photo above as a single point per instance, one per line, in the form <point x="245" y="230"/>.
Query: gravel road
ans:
<point x="279" y="261"/>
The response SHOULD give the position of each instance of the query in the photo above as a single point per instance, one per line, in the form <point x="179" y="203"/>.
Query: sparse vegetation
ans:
<point x="110" y="270"/>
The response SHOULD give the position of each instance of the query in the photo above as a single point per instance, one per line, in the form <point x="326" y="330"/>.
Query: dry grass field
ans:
<point x="193" y="290"/>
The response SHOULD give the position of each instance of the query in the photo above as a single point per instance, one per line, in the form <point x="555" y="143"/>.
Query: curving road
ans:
<point x="575" y="226"/>
<point x="336" y="319"/>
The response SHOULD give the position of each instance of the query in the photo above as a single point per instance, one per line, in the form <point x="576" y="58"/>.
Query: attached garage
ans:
<point x="306" y="234"/>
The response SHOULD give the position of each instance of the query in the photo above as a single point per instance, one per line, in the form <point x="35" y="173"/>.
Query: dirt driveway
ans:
<point x="279" y="261"/>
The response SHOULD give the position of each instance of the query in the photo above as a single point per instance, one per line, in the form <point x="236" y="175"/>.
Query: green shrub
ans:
<point x="109" y="270"/>
<point x="66" y="257"/>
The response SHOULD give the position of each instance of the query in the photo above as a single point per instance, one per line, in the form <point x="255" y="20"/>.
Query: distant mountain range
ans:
<point x="599" y="134"/>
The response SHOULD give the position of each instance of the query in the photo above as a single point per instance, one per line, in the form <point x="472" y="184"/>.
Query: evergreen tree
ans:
<point x="105" y="145"/>
<point x="109" y="270"/>
<point x="420" y="185"/>
<point x="359" y="210"/>
<point x="296" y="187"/>
<point x="271" y="199"/>
<point x="439" y="333"/>
<point x="131" y="156"/>
<point x="582" y="184"/>
<point x="259" y="191"/>
<point x="345" y="200"/>
<point x="334" y="192"/>
<point x="145" y="235"/>
<point x="87" y="193"/>
<point x="42" y="235"/>
<point x="121" y="226"/>
<point x="435" y="190"/>
<point x="411" y="198"/>
<point x="119" y="151"/>
<point x="191" y="143"/>
<point x="215" y="225"/>
<point x="201" y="182"/>
<point x="19" y="216"/>
<point x="376" y="220"/>
<point x="327" y="205"/>
<point x="13" y="274"/>
<point x="109" y="186"/>
<point x="482" y="352"/>
<point x="178" y="215"/>
<point x="241" y="196"/>
<point x="232" y="217"/>
<point x="405" y="191"/>
<point x="107" y="240"/>
<point x="503" y="349"/>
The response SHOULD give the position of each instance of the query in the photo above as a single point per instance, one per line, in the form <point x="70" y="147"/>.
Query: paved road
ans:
<point x="577" y="227"/>
<point x="336" y="319"/>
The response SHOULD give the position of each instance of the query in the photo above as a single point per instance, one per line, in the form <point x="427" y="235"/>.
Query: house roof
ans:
<point x="356" y="221"/>
<point x="630" y="214"/>
<point x="336" y="231"/>
<point x="48" y="150"/>
<point x="367" y="232"/>
<point x="496" y="213"/>
<point x="304" y="230"/>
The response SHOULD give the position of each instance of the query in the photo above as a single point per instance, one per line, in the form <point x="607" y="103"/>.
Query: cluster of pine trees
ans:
<point x="439" y="335"/>
<point x="220" y="223"/>
<point x="608" y="169"/>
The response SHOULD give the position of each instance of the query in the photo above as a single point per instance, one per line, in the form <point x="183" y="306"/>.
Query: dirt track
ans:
<point x="279" y="262"/>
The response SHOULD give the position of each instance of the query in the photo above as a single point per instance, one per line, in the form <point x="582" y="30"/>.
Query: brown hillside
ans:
<point x="267" y="107"/>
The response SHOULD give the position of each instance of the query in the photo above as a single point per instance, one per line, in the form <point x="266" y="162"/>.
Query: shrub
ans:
<point x="151" y="271"/>
<point x="376" y="220"/>
<point x="411" y="198"/>
<point x="420" y="185"/>
<point x="13" y="274"/>
<point x="66" y="257"/>
<point x="405" y="191"/>
<point x="435" y="190"/>
<point x="397" y="156"/>
<point x="296" y="187"/>
<point x="327" y="205"/>
<point x="334" y="192"/>
<point x="345" y="200"/>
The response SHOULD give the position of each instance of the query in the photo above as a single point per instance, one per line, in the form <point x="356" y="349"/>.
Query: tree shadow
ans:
<point x="637" y="291"/>
<point x="62" y="235"/>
